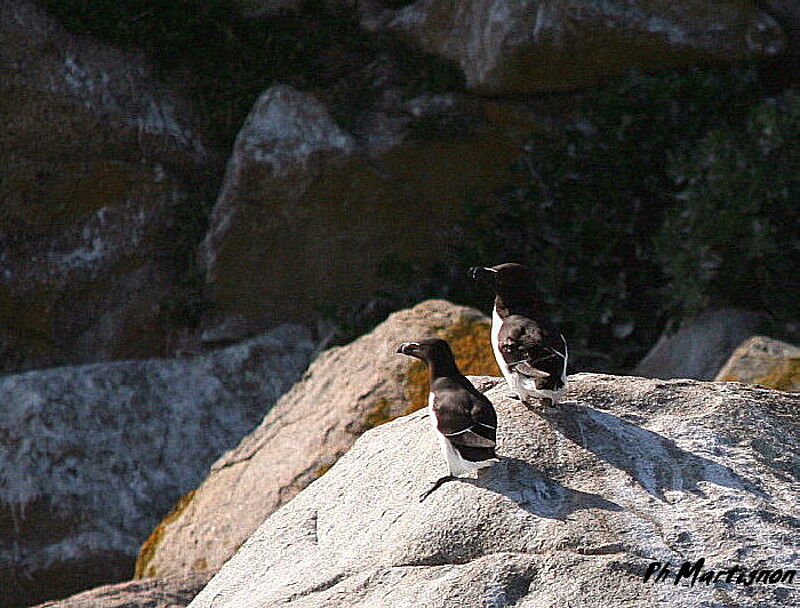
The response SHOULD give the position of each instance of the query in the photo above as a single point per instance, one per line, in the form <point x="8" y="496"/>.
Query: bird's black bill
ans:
<point x="407" y="348"/>
<point x="436" y="485"/>
<point x="481" y="274"/>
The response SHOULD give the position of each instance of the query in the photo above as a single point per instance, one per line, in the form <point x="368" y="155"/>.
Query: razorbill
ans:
<point x="530" y="351"/>
<point x="464" y="420"/>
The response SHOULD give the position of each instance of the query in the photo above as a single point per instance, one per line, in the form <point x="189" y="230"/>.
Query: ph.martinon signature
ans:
<point x="695" y="572"/>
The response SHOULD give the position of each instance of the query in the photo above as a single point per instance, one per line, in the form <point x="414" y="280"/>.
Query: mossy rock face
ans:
<point x="100" y="162"/>
<point x="346" y="391"/>
<point x="537" y="45"/>
<point x="307" y="215"/>
<point x="90" y="262"/>
<point x="764" y="361"/>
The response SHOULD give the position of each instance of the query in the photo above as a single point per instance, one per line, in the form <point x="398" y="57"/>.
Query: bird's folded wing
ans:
<point x="525" y="368"/>
<point x="471" y="437"/>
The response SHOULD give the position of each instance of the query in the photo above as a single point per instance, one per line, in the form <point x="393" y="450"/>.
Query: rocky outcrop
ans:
<point x="764" y="361"/>
<point x="626" y="472"/>
<point x="346" y="391"/>
<point x="171" y="592"/>
<point x="312" y="213"/>
<point x="92" y="457"/>
<point x="508" y="46"/>
<point x="701" y="346"/>
<point x="101" y="167"/>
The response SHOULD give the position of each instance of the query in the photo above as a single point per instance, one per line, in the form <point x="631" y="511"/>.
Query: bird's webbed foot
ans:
<point x="436" y="485"/>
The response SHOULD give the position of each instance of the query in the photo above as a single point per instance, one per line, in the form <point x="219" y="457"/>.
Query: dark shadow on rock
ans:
<point x="534" y="492"/>
<point x="655" y="462"/>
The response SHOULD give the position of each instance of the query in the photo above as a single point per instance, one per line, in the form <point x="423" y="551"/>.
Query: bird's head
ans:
<point x="510" y="281"/>
<point x="433" y="351"/>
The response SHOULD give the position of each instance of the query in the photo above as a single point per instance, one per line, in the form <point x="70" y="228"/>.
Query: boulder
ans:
<point x="102" y="165"/>
<point x="171" y="592"/>
<point x="625" y="473"/>
<point x="314" y="214"/>
<point x="764" y="361"/>
<point x="513" y="46"/>
<point x="94" y="456"/>
<point x="700" y="347"/>
<point x="346" y="391"/>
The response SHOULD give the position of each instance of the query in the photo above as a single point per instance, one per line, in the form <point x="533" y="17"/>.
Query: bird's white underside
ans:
<point x="456" y="464"/>
<point x="520" y="384"/>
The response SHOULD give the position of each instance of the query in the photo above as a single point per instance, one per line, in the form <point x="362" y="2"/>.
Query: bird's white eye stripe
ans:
<point x="466" y="430"/>
<point x="488" y="426"/>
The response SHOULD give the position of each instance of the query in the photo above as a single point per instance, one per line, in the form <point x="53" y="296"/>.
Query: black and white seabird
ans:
<point x="530" y="351"/>
<point x="464" y="420"/>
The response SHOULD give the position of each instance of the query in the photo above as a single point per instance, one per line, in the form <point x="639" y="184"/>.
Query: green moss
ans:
<point x="733" y="237"/>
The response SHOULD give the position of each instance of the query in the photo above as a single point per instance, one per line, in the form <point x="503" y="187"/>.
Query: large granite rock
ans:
<point x="170" y="592"/>
<point x="92" y="457"/>
<point x="346" y="391"/>
<point x="701" y="346"/>
<point x="313" y="214"/>
<point x="101" y="169"/>
<point x="512" y="46"/>
<point x="764" y="361"/>
<point x="626" y="472"/>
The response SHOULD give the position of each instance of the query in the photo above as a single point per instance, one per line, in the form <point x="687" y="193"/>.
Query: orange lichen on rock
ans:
<point x="470" y="341"/>
<point x="143" y="567"/>
<point x="764" y="361"/>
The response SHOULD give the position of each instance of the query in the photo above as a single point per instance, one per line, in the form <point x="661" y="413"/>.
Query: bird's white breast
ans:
<point x="497" y="322"/>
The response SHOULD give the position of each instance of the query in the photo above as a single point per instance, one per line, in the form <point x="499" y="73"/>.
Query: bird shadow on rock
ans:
<point x="536" y="493"/>
<point x="655" y="462"/>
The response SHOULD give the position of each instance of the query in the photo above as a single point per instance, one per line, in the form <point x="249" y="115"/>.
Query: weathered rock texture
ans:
<point x="506" y="46"/>
<point x="761" y="360"/>
<point x="346" y="391"/>
<point x="171" y="592"/>
<point x="92" y="457"/>
<point x="310" y="212"/>
<point x="100" y="164"/>
<point x="625" y="472"/>
<point x="701" y="346"/>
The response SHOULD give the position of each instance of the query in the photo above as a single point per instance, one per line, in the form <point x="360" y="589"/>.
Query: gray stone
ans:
<point x="93" y="456"/>
<point x="171" y="592"/>
<point x="507" y="46"/>
<point x="625" y="472"/>
<point x="701" y="346"/>
<point x="345" y="391"/>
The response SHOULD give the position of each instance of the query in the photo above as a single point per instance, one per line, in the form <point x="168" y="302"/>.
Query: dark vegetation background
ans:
<point x="648" y="199"/>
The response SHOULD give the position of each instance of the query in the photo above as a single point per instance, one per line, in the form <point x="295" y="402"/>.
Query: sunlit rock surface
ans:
<point x="345" y="391"/>
<point x="625" y="472"/>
